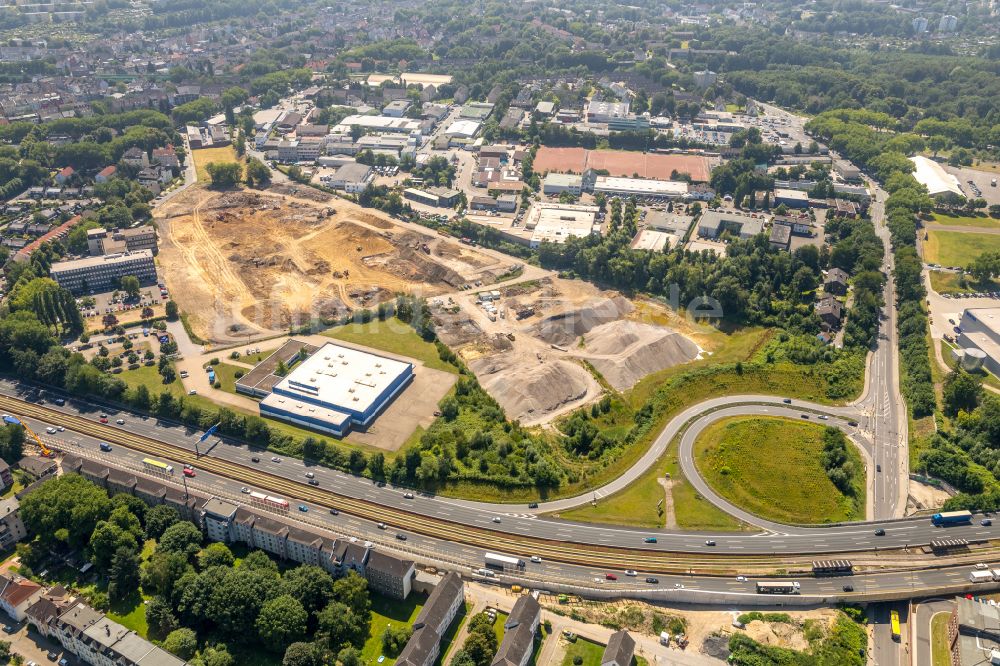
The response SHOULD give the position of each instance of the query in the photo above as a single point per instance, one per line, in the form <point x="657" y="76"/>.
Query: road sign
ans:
<point x="208" y="433"/>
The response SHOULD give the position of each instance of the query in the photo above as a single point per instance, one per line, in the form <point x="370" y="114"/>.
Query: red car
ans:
<point x="188" y="471"/>
<point x="611" y="576"/>
<point x="104" y="418"/>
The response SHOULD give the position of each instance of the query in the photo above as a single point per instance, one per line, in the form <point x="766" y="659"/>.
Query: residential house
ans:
<point x="6" y="478"/>
<point x="836" y="282"/>
<point x="37" y="467"/>
<point x="519" y="633"/>
<point x="17" y="594"/>
<point x="106" y="174"/>
<point x="443" y="604"/>
<point x="64" y="175"/>
<point x="12" y="529"/>
<point x="620" y="650"/>
<point x="830" y="312"/>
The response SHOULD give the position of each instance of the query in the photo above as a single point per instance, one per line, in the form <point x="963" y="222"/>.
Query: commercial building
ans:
<point x="639" y="187"/>
<point x="791" y="198"/>
<point x="351" y="178"/>
<point x="336" y="389"/>
<point x="100" y="241"/>
<point x="846" y="170"/>
<point x="438" y="196"/>
<point x="932" y="175"/>
<point x="713" y="223"/>
<point x="554" y="223"/>
<point x="557" y="183"/>
<point x="96" y="274"/>
<point x="479" y="111"/>
<point x="781" y="237"/>
<point x="396" y="108"/>
<point x="377" y="124"/>
<point x="519" y="633"/>
<point x="974" y="633"/>
<point x="463" y="129"/>
<point x="980" y="329"/>
<point x="603" y="112"/>
<point x="432" y="623"/>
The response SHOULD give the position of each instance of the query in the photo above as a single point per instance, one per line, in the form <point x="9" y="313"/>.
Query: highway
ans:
<point x="478" y="523"/>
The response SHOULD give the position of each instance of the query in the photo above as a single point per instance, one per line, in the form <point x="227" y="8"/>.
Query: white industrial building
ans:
<point x="554" y="223"/>
<point x="980" y="330"/>
<point x="377" y="124"/>
<point x="932" y="175"/>
<point x="337" y="388"/>
<point x="463" y="129"/>
<point x="604" y="112"/>
<point x="557" y="183"/>
<point x="351" y="178"/>
<point x="640" y="187"/>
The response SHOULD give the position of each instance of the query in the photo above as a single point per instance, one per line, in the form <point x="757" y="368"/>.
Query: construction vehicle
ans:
<point x="46" y="451"/>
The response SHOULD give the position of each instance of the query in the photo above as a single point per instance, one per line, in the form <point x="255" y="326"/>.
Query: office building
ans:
<point x="351" y="178"/>
<point x="705" y="78"/>
<point x="713" y="223"/>
<point x="557" y="183"/>
<point x="101" y="241"/>
<point x="604" y="112"/>
<point x="97" y="274"/>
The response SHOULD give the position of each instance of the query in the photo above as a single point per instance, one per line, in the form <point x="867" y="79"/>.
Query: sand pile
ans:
<point x="563" y="328"/>
<point x="529" y="392"/>
<point x="778" y="634"/>
<point x="626" y="351"/>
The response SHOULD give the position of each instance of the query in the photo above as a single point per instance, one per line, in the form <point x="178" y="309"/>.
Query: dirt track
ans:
<point x="251" y="262"/>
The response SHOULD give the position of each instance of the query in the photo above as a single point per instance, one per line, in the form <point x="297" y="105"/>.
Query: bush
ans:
<point x="217" y="384"/>
<point x="577" y="660"/>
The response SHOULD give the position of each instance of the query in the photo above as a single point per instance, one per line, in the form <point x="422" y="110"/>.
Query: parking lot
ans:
<point x="977" y="184"/>
<point x="35" y="648"/>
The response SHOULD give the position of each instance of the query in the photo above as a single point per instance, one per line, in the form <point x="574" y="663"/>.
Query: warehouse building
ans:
<point x="351" y="178"/>
<point x="932" y="175"/>
<point x="97" y="274"/>
<point x="640" y="187"/>
<point x="337" y="389"/>
<point x="554" y="223"/>
<point x="713" y="223"/>
<point x="557" y="183"/>
<point x="980" y="329"/>
<point x="377" y="124"/>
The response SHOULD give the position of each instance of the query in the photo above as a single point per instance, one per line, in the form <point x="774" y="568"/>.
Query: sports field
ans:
<point x="957" y="248"/>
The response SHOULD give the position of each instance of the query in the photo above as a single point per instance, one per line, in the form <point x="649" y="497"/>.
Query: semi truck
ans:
<point x="952" y="518"/>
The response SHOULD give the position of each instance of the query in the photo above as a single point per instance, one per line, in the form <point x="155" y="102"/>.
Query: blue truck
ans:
<point x="952" y="518"/>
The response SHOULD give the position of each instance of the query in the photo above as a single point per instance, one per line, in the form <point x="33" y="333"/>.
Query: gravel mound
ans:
<point x="563" y="328"/>
<point x="716" y="646"/>
<point x="626" y="351"/>
<point x="529" y="392"/>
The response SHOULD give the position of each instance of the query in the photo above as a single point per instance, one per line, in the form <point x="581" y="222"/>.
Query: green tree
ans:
<point x="394" y="638"/>
<point x="238" y="599"/>
<point x="224" y="174"/>
<point x="159" y="617"/>
<point x="181" y="642"/>
<point x="65" y="510"/>
<point x="162" y="571"/>
<point x="130" y="285"/>
<point x="124" y="577"/>
<point x="183" y="537"/>
<point x="349" y="656"/>
<point x="282" y="621"/>
<point x="310" y="585"/>
<point x="215" y="555"/>
<point x="159" y="518"/>
<point x="339" y="626"/>
<point x="106" y="540"/>
<point x="962" y="392"/>
<point x="257" y="173"/>
<point x="303" y="654"/>
<point x="170" y="309"/>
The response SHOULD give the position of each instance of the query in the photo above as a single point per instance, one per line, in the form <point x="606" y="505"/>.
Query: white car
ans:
<point x="60" y="429"/>
<point x="982" y="566"/>
<point x="120" y="421"/>
<point x="536" y="560"/>
<point x="275" y="459"/>
<point x="631" y="572"/>
<point x="192" y="392"/>
<point x="245" y="490"/>
<point x="50" y="430"/>
<point x="741" y="579"/>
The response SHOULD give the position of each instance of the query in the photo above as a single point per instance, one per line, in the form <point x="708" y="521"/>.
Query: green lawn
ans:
<point x="589" y="651"/>
<point x="973" y="221"/>
<point x="498" y="625"/>
<point x="939" y="640"/>
<point x="392" y="336"/>
<point x="957" y="248"/>
<point x="944" y="282"/>
<point x="225" y="374"/>
<point x="771" y="466"/>
<point x="448" y="639"/>
<point x="386" y="611"/>
<point x="131" y="613"/>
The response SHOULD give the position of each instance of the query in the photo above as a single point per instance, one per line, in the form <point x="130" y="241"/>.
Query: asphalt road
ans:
<point x="920" y="628"/>
<point x="785" y="540"/>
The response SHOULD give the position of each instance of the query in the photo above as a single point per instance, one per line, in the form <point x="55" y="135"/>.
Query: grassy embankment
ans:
<point x="772" y="468"/>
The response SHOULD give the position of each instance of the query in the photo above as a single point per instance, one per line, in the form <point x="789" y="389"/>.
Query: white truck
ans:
<point x="981" y="576"/>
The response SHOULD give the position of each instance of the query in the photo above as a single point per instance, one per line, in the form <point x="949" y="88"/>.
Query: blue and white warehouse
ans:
<point x="337" y="389"/>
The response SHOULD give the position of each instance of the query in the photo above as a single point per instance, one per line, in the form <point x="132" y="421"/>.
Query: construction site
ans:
<point x="249" y="263"/>
<point x="542" y="347"/>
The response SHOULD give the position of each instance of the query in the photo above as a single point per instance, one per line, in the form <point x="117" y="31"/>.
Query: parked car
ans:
<point x="303" y="508"/>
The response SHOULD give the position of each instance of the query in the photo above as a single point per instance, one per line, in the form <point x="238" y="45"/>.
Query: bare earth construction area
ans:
<point x="531" y="347"/>
<point x="252" y="262"/>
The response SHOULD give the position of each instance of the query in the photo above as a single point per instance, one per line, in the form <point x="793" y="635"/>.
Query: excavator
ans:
<point x="46" y="451"/>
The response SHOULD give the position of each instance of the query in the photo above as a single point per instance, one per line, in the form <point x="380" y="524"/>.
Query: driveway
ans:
<point x="35" y="647"/>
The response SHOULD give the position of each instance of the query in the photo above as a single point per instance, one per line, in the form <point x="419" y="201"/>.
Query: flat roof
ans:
<point x="785" y="193"/>
<point x="563" y="179"/>
<point x="339" y="378"/>
<point x="108" y="259"/>
<point x="932" y="175"/>
<point x="466" y="128"/>
<point x="649" y="239"/>
<point x="554" y="223"/>
<point x="641" y="186"/>
<point x="384" y="123"/>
